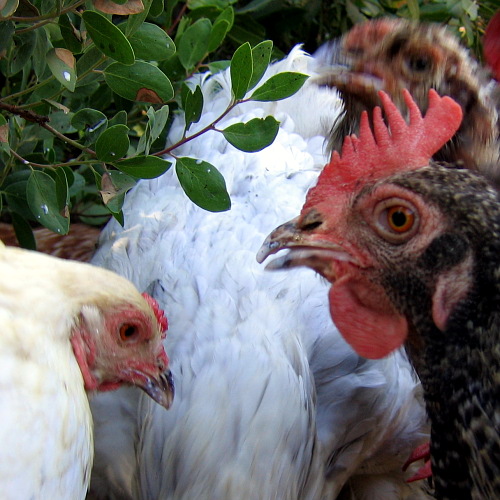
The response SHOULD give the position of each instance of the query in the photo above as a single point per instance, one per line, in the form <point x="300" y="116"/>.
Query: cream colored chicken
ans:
<point x="67" y="328"/>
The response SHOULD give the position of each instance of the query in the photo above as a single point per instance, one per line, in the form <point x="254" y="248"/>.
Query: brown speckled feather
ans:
<point x="393" y="54"/>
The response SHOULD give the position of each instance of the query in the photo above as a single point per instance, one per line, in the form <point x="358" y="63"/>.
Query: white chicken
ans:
<point x="67" y="328"/>
<point x="271" y="403"/>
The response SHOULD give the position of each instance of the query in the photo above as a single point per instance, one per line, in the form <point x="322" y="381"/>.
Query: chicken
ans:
<point x="411" y="249"/>
<point x="394" y="54"/>
<point x="270" y="400"/>
<point x="67" y="328"/>
<point x="79" y="244"/>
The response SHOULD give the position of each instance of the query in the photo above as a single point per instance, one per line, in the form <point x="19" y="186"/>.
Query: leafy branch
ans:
<point x="90" y="89"/>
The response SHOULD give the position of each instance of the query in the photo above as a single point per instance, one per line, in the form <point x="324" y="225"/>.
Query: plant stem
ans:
<point x="30" y="89"/>
<point x="50" y="165"/>
<point x="202" y="131"/>
<point x="50" y="15"/>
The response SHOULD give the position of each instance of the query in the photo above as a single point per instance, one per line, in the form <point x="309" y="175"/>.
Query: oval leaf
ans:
<point x="252" y="136"/>
<point x="218" y="34"/>
<point x="279" y="87"/>
<point x="193" y="44"/>
<point x="151" y="43"/>
<point x="62" y="65"/>
<point x="42" y="200"/>
<point x="193" y="105"/>
<point x="108" y="38"/>
<point x="8" y="8"/>
<point x="143" y="167"/>
<point x="22" y="51"/>
<point x="92" y="122"/>
<point x="261" y="56"/>
<point x="113" y="143"/>
<point x="241" y="70"/>
<point x="203" y="184"/>
<point x="24" y="233"/>
<point x="140" y="82"/>
<point x="70" y="34"/>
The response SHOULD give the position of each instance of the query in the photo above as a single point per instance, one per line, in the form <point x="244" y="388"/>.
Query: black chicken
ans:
<point x="412" y="250"/>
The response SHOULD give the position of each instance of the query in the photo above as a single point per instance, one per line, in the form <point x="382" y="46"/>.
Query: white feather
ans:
<point x="270" y="402"/>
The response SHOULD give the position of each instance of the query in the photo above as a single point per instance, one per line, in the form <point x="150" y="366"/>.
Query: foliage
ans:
<point x="88" y="95"/>
<point x="90" y="88"/>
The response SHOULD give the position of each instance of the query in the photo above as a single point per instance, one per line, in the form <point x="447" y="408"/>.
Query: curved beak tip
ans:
<point x="161" y="389"/>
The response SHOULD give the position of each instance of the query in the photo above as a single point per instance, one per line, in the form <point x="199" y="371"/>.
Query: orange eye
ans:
<point x="400" y="218"/>
<point x="128" y="331"/>
<point x="396" y="220"/>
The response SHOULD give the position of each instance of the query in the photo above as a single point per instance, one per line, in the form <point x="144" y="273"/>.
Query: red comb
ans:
<point x="158" y="312"/>
<point x="389" y="149"/>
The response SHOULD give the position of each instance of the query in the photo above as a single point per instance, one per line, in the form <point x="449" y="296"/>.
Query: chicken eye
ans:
<point x="400" y="219"/>
<point x="128" y="331"/>
<point x="396" y="220"/>
<point x="419" y="63"/>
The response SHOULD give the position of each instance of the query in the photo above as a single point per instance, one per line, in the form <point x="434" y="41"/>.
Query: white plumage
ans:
<point x="271" y="403"/>
<point x="61" y="325"/>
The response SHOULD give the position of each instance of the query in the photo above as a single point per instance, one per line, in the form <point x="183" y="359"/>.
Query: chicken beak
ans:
<point x="306" y="249"/>
<point x="160" y="388"/>
<point x="284" y="236"/>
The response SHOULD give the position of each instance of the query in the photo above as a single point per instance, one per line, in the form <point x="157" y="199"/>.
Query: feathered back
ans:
<point x="388" y="149"/>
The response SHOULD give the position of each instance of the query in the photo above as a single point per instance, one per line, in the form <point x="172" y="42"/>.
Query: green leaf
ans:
<point x="203" y="184"/>
<point x="193" y="105"/>
<point x="113" y="143"/>
<point x="113" y="187"/>
<point x="23" y="50"/>
<point x="122" y="181"/>
<point x="8" y="8"/>
<point x="193" y="44"/>
<point x="157" y="8"/>
<point x="42" y="46"/>
<point x="241" y="70"/>
<point x="108" y="38"/>
<point x="279" y="87"/>
<point x="252" y="136"/>
<point x="143" y="167"/>
<point x="24" y="233"/>
<point x="92" y="122"/>
<point x="62" y="193"/>
<point x="69" y="34"/>
<point x="61" y="121"/>
<point x="151" y="43"/>
<point x="222" y="25"/>
<point x="62" y="65"/>
<point x="6" y="33"/>
<point x="217" y="35"/>
<point x="42" y="200"/>
<point x="217" y="66"/>
<point x="261" y="56"/>
<point x="160" y="120"/>
<point x="135" y="21"/>
<point x="15" y="195"/>
<point x="140" y="82"/>
<point x="119" y="119"/>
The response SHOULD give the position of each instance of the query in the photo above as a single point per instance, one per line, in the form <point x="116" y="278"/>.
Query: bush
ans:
<point x="89" y="90"/>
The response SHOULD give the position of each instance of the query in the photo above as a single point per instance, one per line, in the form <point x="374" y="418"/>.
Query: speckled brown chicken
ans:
<point x="79" y="244"/>
<point x="412" y="248"/>
<point x="395" y="54"/>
